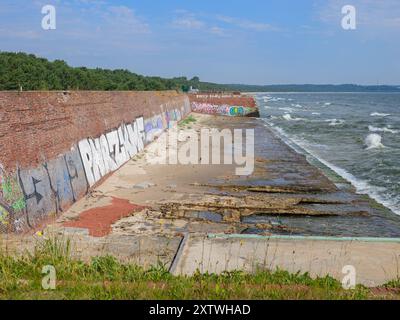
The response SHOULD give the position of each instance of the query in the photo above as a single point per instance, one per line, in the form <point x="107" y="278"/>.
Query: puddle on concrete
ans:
<point x="204" y="215"/>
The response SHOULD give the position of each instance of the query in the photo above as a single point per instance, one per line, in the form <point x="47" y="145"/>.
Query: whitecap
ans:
<point x="277" y="99"/>
<point x="378" y="114"/>
<point x="384" y="129"/>
<point x="288" y="117"/>
<point x="335" y="122"/>
<point x="286" y="109"/>
<point x="362" y="186"/>
<point x="297" y="105"/>
<point x="373" y="141"/>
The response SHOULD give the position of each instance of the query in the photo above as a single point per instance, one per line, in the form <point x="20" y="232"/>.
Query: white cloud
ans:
<point x="188" y="21"/>
<point x="21" y="34"/>
<point x="211" y="24"/>
<point x="247" y="24"/>
<point x="218" y="31"/>
<point x="125" y="20"/>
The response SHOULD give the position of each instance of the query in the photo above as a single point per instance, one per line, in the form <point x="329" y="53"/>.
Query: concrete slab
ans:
<point x="376" y="262"/>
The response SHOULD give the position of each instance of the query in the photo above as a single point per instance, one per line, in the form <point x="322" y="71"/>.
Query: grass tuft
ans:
<point x="187" y="121"/>
<point x="106" y="278"/>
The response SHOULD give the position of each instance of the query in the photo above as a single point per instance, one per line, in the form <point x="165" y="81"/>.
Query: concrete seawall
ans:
<point x="56" y="145"/>
<point x="223" y="104"/>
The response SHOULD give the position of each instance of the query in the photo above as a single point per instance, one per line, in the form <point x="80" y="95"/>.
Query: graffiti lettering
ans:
<point x="29" y="196"/>
<point x="105" y="154"/>
<point x="222" y="109"/>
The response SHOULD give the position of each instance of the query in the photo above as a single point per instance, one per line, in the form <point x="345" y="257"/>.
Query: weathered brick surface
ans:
<point x="55" y="145"/>
<point x="35" y="126"/>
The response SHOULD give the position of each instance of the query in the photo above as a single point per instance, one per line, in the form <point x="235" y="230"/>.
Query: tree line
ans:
<point x="21" y="71"/>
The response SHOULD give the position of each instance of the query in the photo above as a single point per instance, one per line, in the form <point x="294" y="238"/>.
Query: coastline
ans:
<point x="335" y="130"/>
<point x="337" y="175"/>
<point x="175" y="208"/>
<point x="282" y="173"/>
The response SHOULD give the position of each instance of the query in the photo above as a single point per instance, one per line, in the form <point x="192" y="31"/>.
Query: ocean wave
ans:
<point x="287" y="109"/>
<point x="362" y="186"/>
<point x="384" y="129"/>
<point x="266" y="98"/>
<point x="296" y="105"/>
<point x="378" y="114"/>
<point x="288" y="117"/>
<point x="335" y="122"/>
<point x="373" y="141"/>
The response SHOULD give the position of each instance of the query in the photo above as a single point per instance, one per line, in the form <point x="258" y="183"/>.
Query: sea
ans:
<point x="355" y="134"/>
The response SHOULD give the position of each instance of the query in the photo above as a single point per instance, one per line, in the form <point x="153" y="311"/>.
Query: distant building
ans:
<point x="192" y="90"/>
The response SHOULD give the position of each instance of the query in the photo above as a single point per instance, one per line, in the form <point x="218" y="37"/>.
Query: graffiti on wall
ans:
<point x="233" y="111"/>
<point x="174" y="112"/>
<point x="103" y="155"/>
<point x="12" y="201"/>
<point x="153" y="127"/>
<point x="29" y="196"/>
<point x="52" y="187"/>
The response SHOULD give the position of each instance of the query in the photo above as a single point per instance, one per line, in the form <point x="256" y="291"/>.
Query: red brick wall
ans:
<point x="35" y="126"/>
<point x="54" y="146"/>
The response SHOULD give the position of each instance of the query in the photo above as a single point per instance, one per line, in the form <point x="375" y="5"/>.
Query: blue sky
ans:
<point x="235" y="41"/>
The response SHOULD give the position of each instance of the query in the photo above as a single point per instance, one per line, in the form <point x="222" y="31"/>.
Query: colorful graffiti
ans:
<point x="52" y="187"/>
<point x="29" y="196"/>
<point x="12" y="201"/>
<point x="153" y="127"/>
<point x="226" y="110"/>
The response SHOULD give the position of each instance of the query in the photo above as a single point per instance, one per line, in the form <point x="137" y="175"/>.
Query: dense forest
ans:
<point x="21" y="71"/>
<point x="28" y="72"/>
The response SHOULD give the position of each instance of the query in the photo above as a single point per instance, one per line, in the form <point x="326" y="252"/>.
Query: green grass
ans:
<point x="106" y="278"/>
<point x="187" y="121"/>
